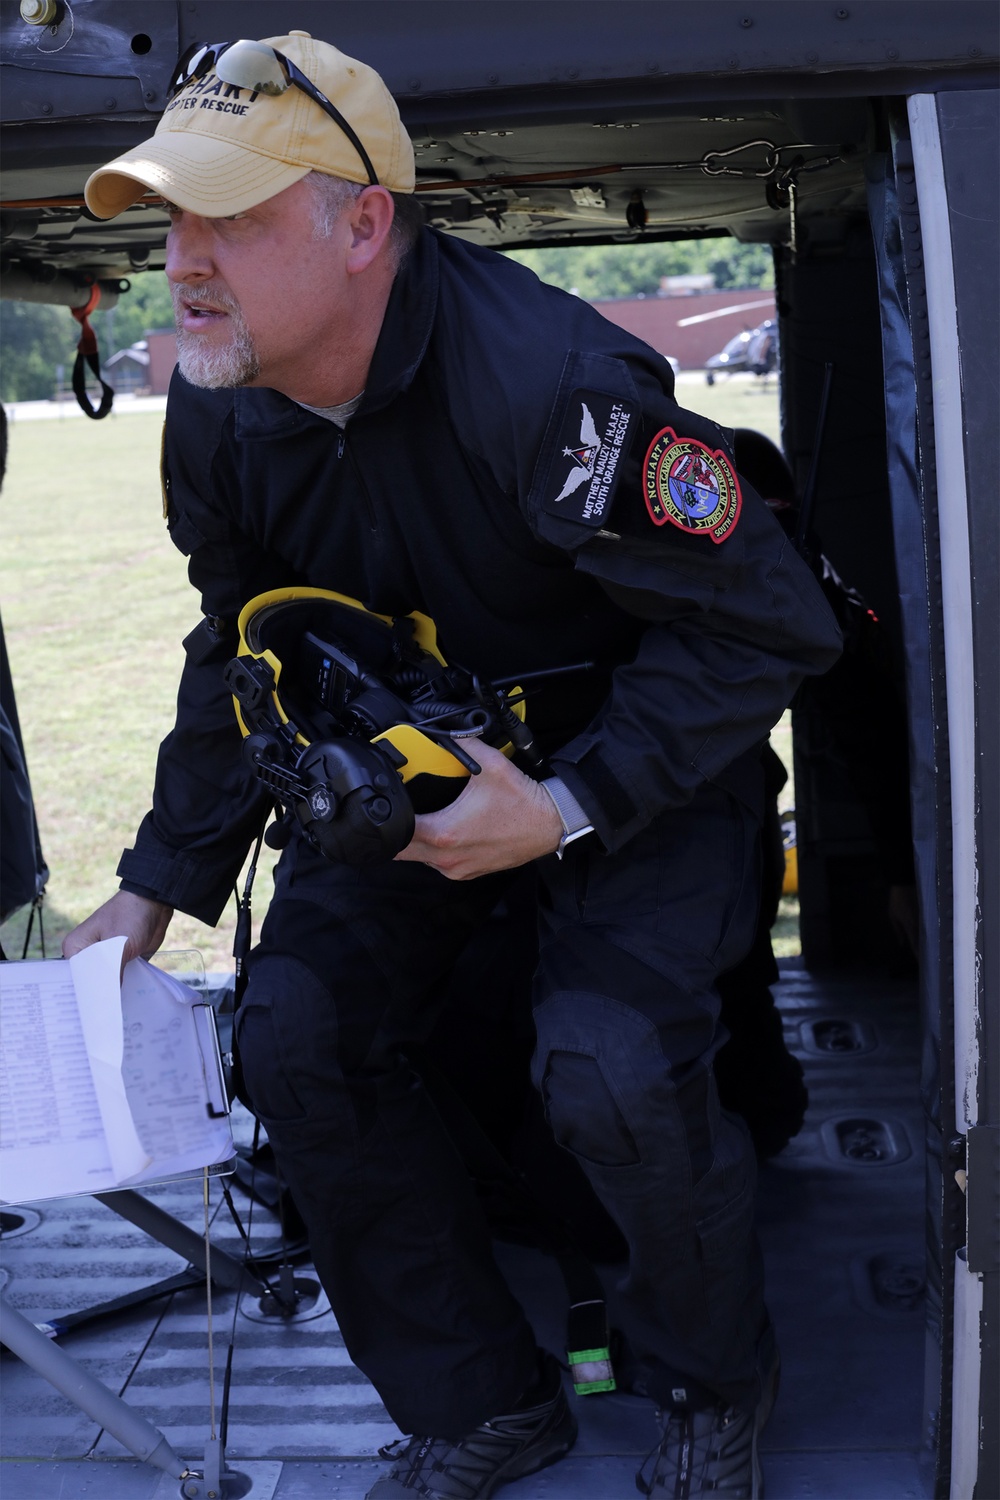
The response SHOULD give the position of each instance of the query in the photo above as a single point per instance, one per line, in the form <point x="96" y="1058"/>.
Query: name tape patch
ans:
<point x="691" y="486"/>
<point x="592" y="441"/>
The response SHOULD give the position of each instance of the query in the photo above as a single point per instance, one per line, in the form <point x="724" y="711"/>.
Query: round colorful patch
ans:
<point x="692" y="486"/>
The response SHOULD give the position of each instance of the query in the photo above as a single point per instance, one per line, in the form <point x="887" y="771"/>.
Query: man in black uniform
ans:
<point x="370" y="407"/>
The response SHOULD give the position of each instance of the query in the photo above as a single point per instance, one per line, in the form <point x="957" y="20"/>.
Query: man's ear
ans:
<point x="370" y="218"/>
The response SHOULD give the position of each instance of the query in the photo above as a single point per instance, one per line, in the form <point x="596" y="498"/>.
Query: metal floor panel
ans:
<point x="841" y="1223"/>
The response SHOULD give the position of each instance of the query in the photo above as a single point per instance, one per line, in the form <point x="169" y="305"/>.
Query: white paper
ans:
<point x="96" y="972"/>
<point x="164" y="1074"/>
<point x="52" y="1138"/>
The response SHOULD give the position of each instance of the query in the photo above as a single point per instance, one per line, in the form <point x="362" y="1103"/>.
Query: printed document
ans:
<point x="104" y="1083"/>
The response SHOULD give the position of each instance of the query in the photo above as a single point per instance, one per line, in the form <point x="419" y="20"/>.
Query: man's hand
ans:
<point x="141" y="922"/>
<point x="502" y="819"/>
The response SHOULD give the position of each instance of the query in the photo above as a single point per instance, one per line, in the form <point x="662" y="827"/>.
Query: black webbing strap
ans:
<point x="86" y="353"/>
<point x="242" y="939"/>
<point x="36" y="910"/>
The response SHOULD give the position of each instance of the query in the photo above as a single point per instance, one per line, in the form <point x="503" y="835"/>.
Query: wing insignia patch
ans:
<point x="592" y="442"/>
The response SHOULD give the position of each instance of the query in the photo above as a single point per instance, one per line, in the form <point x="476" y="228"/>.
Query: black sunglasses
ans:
<point x="263" y="70"/>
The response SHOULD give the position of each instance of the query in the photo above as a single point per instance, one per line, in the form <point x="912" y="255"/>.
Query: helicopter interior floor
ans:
<point x="842" y="1225"/>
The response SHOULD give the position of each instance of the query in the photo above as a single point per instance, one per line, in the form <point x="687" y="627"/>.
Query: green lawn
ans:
<point x="95" y="602"/>
<point x="734" y="401"/>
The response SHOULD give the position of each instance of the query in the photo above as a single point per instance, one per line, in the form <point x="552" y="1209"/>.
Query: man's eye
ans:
<point x="229" y="218"/>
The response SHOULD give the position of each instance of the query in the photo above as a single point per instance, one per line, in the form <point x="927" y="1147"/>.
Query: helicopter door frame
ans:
<point x="967" y="638"/>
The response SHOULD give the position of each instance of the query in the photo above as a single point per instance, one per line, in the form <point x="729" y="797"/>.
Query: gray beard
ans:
<point x="218" y="367"/>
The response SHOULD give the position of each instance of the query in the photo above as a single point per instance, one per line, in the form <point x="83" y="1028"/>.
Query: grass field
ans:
<point x="95" y="602"/>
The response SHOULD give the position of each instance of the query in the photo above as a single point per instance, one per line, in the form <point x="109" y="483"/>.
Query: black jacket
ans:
<point x="456" y="489"/>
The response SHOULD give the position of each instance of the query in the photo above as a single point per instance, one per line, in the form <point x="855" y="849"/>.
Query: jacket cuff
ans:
<point x="198" y="887"/>
<point x="604" y="796"/>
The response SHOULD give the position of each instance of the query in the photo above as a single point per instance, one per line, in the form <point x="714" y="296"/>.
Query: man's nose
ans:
<point x="189" y="251"/>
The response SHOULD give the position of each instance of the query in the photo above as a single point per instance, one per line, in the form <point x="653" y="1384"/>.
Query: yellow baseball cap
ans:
<point x="231" y="136"/>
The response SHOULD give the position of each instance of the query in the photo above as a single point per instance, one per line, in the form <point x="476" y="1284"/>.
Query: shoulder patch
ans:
<point x="593" y="438"/>
<point x="691" y="485"/>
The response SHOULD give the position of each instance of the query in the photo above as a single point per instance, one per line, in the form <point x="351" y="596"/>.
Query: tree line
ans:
<point x="635" y="270"/>
<point x="36" y="339"/>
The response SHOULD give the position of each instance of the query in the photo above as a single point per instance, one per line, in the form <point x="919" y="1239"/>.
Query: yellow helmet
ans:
<point x="356" y="720"/>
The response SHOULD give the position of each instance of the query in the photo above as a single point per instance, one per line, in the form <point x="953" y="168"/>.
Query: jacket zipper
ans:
<point x="366" y="497"/>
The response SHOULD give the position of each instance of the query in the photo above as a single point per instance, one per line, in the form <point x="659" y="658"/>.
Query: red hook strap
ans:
<point x="86" y="350"/>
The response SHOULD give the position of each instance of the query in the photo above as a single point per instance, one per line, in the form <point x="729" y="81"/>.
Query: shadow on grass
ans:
<point x="47" y="931"/>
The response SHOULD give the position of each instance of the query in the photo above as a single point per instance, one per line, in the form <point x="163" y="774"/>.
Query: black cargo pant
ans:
<point x="346" y="979"/>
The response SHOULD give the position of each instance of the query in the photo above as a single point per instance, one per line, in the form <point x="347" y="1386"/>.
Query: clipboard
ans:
<point x="109" y="1082"/>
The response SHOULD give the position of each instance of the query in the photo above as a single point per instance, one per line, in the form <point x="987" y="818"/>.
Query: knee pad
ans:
<point x="582" y="1111"/>
<point x="609" y="1091"/>
<point x="597" y="1065"/>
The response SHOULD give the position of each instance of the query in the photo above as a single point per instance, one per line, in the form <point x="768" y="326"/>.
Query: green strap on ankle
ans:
<point x="591" y="1370"/>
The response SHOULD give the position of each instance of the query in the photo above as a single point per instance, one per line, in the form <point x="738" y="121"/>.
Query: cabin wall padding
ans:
<point x="828" y="306"/>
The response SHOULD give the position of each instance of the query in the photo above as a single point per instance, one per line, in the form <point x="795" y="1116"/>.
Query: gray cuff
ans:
<point x="574" y="820"/>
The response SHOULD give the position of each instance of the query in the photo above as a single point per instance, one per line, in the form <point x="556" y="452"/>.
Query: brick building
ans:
<point x="690" y="328"/>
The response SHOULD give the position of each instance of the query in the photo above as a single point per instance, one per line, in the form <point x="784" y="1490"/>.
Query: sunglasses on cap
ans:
<point x="263" y="70"/>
